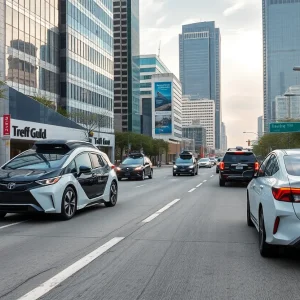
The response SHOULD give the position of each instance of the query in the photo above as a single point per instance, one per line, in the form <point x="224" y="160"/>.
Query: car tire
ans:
<point x="222" y="182"/>
<point x="113" y="195"/>
<point x="119" y="178"/>
<point x="2" y="215"/>
<point x="265" y="249"/>
<point x="217" y="171"/>
<point x="174" y="174"/>
<point x="143" y="176"/>
<point x="249" y="221"/>
<point x="193" y="174"/>
<point x="68" y="204"/>
<point x="151" y="174"/>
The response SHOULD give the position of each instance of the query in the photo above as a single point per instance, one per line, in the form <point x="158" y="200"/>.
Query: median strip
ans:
<point x="156" y="214"/>
<point x="50" y="284"/>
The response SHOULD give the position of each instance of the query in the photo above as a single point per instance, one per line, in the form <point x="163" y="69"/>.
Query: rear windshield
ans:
<point x="242" y="157"/>
<point x="292" y="164"/>
<point x="204" y="159"/>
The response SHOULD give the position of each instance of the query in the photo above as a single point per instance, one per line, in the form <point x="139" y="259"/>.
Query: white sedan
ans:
<point x="273" y="201"/>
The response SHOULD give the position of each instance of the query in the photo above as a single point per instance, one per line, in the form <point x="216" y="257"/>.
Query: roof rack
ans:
<point x="61" y="145"/>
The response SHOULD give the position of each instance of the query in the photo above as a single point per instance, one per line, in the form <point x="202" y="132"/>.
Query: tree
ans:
<point x="45" y="101"/>
<point x="2" y="90"/>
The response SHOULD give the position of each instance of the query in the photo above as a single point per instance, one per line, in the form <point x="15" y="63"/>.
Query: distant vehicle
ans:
<point x="135" y="166"/>
<point x="213" y="161"/>
<point x="273" y="201"/>
<point x="218" y="164"/>
<point x="57" y="176"/>
<point x="204" y="163"/>
<point x="185" y="164"/>
<point x="237" y="165"/>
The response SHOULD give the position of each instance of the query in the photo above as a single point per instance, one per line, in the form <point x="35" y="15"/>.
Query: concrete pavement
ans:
<point x="198" y="248"/>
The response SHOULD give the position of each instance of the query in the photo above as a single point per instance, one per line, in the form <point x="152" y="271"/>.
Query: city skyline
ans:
<point x="240" y="23"/>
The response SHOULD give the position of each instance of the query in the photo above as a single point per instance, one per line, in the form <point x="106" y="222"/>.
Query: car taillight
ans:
<point x="222" y="165"/>
<point x="256" y="166"/>
<point x="286" y="194"/>
<point x="112" y="167"/>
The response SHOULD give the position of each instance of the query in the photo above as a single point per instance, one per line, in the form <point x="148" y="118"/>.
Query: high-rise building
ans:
<point x="200" y="66"/>
<point x="196" y="133"/>
<point x="260" y="126"/>
<point x="281" y="50"/>
<point x="223" y="137"/>
<point x="200" y="112"/>
<point x="127" y="65"/>
<point x="150" y="64"/>
<point x="287" y="108"/>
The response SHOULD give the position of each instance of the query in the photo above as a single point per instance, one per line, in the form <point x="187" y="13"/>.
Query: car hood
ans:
<point x="20" y="175"/>
<point x="129" y="166"/>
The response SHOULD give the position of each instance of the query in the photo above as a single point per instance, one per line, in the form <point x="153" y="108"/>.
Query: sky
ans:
<point x="240" y="23"/>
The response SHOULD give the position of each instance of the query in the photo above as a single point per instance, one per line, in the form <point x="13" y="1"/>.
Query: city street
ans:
<point x="197" y="247"/>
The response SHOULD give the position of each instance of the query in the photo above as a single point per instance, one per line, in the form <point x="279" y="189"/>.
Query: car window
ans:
<point x="83" y="160"/>
<point x="71" y="168"/>
<point x="242" y="157"/>
<point x="261" y="171"/>
<point x="184" y="160"/>
<point x="270" y="166"/>
<point x="292" y="164"/>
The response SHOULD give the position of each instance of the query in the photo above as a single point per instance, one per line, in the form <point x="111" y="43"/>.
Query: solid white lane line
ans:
<point x="204" y="180"/>
<point x="50" y="284"/>
<point x="199" y="184"/>
<point x="140" y="186"/>
<point x="13" y="224"/>
<point x="156" y="214"/>
<point x="190" y="191"/>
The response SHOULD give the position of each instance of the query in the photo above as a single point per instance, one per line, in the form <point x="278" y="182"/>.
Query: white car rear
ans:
<point x="273" y="201"/>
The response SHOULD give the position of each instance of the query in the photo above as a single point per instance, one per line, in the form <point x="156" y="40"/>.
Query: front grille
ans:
<point x="19" y="187"/>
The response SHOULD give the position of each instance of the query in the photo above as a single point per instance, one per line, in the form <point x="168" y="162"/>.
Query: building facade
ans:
<point x="150" y="64"/>
<point x="200" y="112"/>
<point x="200" y="66"/>
<point x="281" y="50"/>
<point x="166" y="107"/>
<point x="196" y="133"/>
<point x="127" y="65"/>
<point x="287" y="108"/>
<point x="260" y="126"/>
<point x="223" y="137"/>
<point x="62" y="51"/>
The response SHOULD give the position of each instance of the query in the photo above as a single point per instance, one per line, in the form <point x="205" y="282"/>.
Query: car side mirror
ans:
<point x="173" y="162"/>
<point x="84" y="170"/>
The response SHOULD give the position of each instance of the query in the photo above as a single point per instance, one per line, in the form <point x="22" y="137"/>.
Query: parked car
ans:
<point x="204" y="163"/>
<point x="273" y="201"/>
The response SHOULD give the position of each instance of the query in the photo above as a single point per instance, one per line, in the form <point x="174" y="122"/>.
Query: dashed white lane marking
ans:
<point x="13" y="224"/>
<point x="204" y="180"/>
<point x="153" y="216"/>
<point x="190" y="191"/>
<point x="199" y="185"/>
<point x="212" y="176"/>
<point x="140" y="186"/>
<point x="50" y="284"/>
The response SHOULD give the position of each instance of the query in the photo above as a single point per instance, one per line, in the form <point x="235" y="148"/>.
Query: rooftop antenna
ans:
<point x="159" y="48"/>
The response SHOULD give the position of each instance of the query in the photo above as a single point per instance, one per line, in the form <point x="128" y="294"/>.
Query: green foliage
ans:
<point x="2" y="90"/>
<point x="44" y="101"/>
<point x="63" y="112"/>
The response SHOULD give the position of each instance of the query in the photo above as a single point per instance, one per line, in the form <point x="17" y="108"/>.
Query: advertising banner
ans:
<point x="163" y="107"/>
<point x="6" y="123"/>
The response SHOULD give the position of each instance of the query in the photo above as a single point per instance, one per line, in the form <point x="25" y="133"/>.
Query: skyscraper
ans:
<point x="127" y="65"/>
<point x="200" y="63"/>
<point x="260" y="126"/>
<point x="281" y="50"/>
<point x="223" y="137"/>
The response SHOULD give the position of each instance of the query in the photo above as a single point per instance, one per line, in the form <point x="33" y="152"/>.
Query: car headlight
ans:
<point x="175" y="167"/>
<point x="118" y="169"/>
<point x="139" y="168"/>
<point x="191" y="167"/>
<point x="49" y="181"/>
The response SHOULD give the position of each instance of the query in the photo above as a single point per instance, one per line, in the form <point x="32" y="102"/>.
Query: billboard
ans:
<point x="163" y="107"/>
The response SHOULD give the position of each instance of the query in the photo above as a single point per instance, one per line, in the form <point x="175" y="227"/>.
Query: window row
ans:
<point x="81" y="71"/>
<point x="86" y="96"/>
<point x="88" y="53"/>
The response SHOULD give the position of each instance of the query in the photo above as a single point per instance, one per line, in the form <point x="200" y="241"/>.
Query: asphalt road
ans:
<point x="179" y="241"/>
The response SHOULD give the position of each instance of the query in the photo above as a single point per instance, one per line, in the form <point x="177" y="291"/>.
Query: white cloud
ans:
<point x="234" y="8"/>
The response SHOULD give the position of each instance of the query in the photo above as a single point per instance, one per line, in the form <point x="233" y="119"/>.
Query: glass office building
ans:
<point x="199" y="65"/>
<point x="127" y="67"/>
<point x="281" y="51"/>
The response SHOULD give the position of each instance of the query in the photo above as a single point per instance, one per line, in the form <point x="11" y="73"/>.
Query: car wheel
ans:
<point x="68" y="203"/>
<point x="143" y="176"/>
<point x="249" y="221"/>
<point x="151" y="174"/>
<point x="264" y="248"/>
<point x="2" y="215"/>
<point x="217" y="171"/>
<point x="174" y="174"/>
<point x="113" y="195"/>
<point x="221" y="182"/>
<point x="193" y="174"/>
<point x="119" y="178"/>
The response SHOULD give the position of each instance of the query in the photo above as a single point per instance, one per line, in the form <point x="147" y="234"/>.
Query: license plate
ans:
<point x="239" y="168"/>
<point x="127" y="174"/>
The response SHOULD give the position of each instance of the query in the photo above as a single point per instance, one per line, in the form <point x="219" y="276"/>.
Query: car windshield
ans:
<point x="33" y="160"/>
<point x="184" y="160"/>
<point x="204" y="160"/>
<point x="239" y="157"/>
<point x="292" y="164"/>
<point x="133" y="161"/>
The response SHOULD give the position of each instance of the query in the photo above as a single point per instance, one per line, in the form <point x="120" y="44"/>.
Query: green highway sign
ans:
<point x="285" y="127"/>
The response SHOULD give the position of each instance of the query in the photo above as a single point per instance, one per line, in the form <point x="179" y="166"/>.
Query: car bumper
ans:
<point x="132" y="174"/>
<point x="204" y="166"/>
<point x="235" y="177"/>
<point x="186" y="171"/>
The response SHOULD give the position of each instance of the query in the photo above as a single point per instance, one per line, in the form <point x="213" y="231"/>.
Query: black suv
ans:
<point x="186" y="163"/>
<point x="238" y="164"/>
<point x="137" y="166"/>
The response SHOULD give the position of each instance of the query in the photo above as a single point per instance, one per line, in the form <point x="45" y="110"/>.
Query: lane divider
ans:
<point x="204" y="180"/>
<point x="156" y="214"/>
<point x="13" y="224"/>
<point x="190" y="191"/>
<point x="140" y="186"/>
<point x="212" y="176"/>
<point x="199" y="184"/>
<point x="53" y="282"/>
